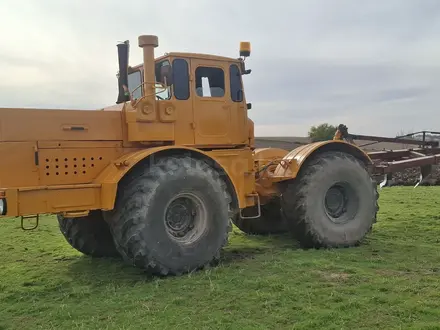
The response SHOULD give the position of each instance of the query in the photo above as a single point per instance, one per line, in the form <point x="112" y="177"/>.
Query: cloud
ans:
<point x="374" y="99"/>
<point x="373" y="66"/>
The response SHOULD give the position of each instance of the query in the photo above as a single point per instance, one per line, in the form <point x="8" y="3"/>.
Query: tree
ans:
<point x="322" y="132"/>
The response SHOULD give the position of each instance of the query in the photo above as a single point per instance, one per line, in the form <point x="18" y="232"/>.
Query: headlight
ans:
<point x="2" y="206"/>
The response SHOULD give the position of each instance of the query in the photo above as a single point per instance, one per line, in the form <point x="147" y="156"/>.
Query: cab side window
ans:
<point x="161" y="92"/>
<point x="210" y="82"/>
<point x="180" y="79"/>
<point x="235" y="83"/>
<point x="134" y="80"/>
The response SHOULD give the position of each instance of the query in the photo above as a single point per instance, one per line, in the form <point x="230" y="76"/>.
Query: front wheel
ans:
<point x="172" y="217"/>
<point x="332" y="203"/>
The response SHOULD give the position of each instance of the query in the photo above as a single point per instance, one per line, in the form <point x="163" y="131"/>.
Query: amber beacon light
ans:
<point x="245" y="48"/>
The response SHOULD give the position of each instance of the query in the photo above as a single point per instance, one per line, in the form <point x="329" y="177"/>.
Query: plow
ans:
<point x="425" y="154"/>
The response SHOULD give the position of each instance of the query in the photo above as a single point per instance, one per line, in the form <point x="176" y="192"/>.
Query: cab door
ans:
<point x="211" y="103"/>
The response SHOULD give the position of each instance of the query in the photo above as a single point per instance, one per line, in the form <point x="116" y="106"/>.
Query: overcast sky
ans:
<point x="372" y="65"/>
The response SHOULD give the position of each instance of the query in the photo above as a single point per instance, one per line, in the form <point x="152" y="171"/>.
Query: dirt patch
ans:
<point x="336" y="277"/>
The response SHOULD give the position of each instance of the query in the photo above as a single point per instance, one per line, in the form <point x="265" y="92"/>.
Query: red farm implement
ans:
<point x="425" y="154"/>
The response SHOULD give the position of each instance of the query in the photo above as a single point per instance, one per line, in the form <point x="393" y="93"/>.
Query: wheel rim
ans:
<point x="185" y="218"/>
<point x="341" y="203"/>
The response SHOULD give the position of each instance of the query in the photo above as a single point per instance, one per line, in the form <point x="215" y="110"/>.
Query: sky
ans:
<point x="373" y="66"/>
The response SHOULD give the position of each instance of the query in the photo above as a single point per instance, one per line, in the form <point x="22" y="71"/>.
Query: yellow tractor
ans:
<point x="159" y="178"/>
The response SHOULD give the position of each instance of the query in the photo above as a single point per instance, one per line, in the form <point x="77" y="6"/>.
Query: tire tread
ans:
<point x="294" y="211"/>
<point x="90" y="235"/>
<point x="126" y="221"/>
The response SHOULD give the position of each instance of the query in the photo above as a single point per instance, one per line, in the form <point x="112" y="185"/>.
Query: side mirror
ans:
<point x="244" y="71"/>
<point x="166" y="75"/>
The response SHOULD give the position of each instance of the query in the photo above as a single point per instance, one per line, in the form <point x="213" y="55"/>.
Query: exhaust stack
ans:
<point x="148" y="43"/>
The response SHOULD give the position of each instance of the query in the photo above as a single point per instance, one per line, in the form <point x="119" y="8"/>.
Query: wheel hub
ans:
<point x="180" y="216"/>
<point x="185" y="218"/>
<point x="336" y="202"/>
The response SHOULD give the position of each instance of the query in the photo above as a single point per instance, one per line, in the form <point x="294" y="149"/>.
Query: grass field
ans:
<point x="391" y="282"/>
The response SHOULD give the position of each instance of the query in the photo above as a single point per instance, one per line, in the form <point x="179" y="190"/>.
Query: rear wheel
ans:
<point x="171" y="217"/>
<point x="89" y="235"/>
<point x="270" y="221"/>
<point x="332" y="203"/>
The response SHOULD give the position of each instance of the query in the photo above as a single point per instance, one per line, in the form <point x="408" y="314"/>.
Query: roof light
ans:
<point x="245" y="48"/>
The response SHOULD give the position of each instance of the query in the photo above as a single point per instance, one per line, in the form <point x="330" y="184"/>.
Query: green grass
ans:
<point x="390" y="282"/>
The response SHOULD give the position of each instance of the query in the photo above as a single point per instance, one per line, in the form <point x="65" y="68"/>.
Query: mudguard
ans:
<point x="291" y="164"/>
<point x="113" y="173"/>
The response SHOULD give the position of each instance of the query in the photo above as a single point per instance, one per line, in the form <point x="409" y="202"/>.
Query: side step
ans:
<point x="28" y="217"/>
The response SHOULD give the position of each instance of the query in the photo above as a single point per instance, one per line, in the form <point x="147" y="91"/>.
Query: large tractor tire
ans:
<point x="89" y="235"/>
<point x="172" y="217"/>
<point x="332" y="203"/>
<point x="270" y="221"/>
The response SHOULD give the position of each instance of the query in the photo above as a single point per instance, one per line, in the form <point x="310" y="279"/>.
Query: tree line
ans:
<point x="322" y="132"/>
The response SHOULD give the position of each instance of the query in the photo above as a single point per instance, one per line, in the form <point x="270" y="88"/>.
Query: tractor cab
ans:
<point x="185" y="98"/>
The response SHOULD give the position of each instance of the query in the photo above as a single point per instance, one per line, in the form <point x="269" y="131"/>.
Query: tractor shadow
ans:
<point x="243" y="247"/>
<point x="104" y="271"/>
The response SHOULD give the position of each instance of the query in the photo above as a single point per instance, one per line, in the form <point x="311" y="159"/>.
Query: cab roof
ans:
<point x="191" y="55"/>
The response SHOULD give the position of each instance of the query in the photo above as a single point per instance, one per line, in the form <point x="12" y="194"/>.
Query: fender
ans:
<point x="294" y="160"/>
<point x="113" y="173"/>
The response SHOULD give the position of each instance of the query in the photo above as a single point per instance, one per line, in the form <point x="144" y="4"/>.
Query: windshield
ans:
<point x="135" y="79"/>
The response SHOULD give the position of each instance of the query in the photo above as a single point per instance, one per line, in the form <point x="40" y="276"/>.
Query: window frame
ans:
<point x="140" y="89"/>
<point x="188" y="75"/>
<point x="224" y="82"/>
<point x="169" y="89"/>
<point x="240" y="82"/>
